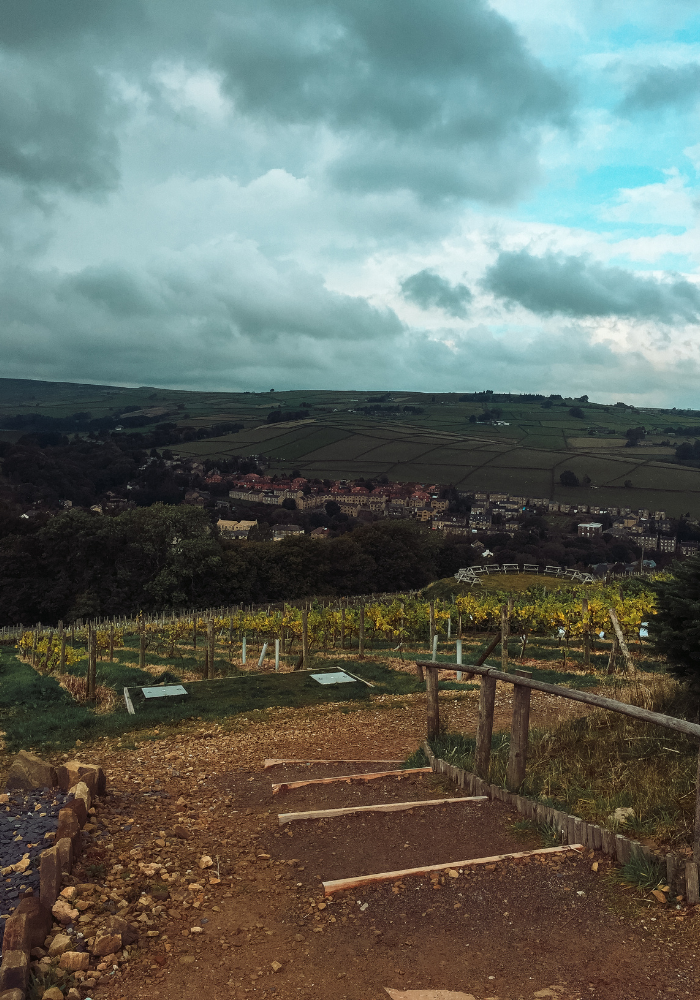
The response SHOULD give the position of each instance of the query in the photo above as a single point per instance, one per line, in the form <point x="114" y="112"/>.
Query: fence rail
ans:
<point x="523" y="685"/>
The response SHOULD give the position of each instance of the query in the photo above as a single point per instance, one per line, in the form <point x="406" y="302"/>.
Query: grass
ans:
<point x="590" y="766"/>
<point x="642" y="873"/>
<point x="35" y="711"/>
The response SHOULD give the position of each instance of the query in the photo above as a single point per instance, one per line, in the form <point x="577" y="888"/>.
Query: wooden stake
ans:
<point x="211" y="639"/>
<point x="484" y="729"/>
<point x="431" y="688"/>
<point x="519" y="732"/>
<point x="629" y="662"/>
<point x="305" y="638"/>
<point x="696" y="836"/>
<point x="505" y="628"/>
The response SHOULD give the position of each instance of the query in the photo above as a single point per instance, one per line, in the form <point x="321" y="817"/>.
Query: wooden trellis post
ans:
<point x="433" y="706"/>
<point x="505" y="630"/>
<point x="211" y="639"/>
<point x="484" y="728"/>
<point x="519" y="732"/>
<point x="305" y="638"/>
<point x="586" y="635"/>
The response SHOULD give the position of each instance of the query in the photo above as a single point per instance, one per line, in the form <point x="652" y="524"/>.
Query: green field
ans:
<point x="438" y="445"/>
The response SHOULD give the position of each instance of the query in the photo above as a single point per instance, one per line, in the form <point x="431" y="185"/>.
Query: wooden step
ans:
<point x="356" y="882"/>
<point x="285" y="786"/>
<point x="383" y="807"/>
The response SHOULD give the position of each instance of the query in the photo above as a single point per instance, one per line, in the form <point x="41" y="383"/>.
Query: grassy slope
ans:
<point x="438" y="445"/>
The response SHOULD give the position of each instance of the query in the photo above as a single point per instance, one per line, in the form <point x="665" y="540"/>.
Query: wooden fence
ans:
<point x="523" y="684"/>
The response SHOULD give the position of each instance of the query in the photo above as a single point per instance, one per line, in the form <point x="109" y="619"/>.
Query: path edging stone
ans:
<point x="681" y="874"/>
<point x="32" y="920"/>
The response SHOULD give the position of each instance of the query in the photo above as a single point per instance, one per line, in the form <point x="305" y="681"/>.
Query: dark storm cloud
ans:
<point x="426" y="289"/>
<point x="577" y="286"/>
<point x="663" y="86"/>
<point x="439" y="99"/>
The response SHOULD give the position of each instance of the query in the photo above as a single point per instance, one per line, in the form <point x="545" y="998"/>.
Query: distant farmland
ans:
<point x="437" y="444"/>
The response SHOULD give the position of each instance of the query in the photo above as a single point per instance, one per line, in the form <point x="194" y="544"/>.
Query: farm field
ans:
<point x="434" y="442"/>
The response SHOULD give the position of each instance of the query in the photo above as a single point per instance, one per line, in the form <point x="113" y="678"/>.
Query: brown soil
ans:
<point x="507" y="933"/>
<point x="364" y="793"/>
<point x="307" y="772"/>
<point x="383" y="842"/>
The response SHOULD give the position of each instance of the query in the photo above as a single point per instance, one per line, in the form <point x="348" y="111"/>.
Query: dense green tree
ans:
<point x="675" y="629"/>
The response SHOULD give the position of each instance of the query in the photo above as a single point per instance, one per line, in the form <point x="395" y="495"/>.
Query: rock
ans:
<point x="115" y="925"/>
<point x="69" y="827"/>
<point x="28" y="771"/>
<point x="196" y="930"/>
<point x="79" y="808"/>
<point x="70" y="893"/>
<point x="186" y="959"/>
<point x="91" y="774"/>
<point x="205" y="861"/>
<point x="14" y="974"/>
<point x="64" y="912"/>
<point x="64" y="846"/>
<point x="75" y="961"/>
<point x="50" y="875"/>
<point x="276" y="966"/>
<point x="53" y="993"/>
<point x="38" y="916"/>
<point x="622" y="814"/>
<point x="106" y="944"/>
<point x="73" y="994"/>
<point x="59" y="944"/>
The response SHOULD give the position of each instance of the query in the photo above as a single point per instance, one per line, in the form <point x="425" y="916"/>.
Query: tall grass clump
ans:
<point x="592" y="765"/>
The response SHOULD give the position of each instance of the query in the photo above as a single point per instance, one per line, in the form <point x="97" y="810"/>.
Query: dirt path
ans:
<point x="256" y="922"/>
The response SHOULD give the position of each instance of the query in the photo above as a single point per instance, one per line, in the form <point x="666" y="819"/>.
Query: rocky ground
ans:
<point x="186" y="850"/>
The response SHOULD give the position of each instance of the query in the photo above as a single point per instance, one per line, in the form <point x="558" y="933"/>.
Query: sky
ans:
<point x="435" y="195"/>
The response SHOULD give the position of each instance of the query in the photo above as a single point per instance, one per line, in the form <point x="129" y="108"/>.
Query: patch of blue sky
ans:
<point x="689" y="33"/>
<point x="673" y="263"/>
<point x="578" y="199"/>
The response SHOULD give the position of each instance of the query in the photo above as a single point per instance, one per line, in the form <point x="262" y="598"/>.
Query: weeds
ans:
<point x="548" y="834"/>
<point x="592" y="765"/>
<point x="641" y="873"/>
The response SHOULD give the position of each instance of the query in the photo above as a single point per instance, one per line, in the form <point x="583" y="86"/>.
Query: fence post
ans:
<point x="696" y="835"/>
<point x="305" y="639"/>
<point x="519" y="732"/>
<point x="484" y="729"/>
<point x="505" y="628"/>
<point x="586" y="635"/>
<point x="62" y="654"/>
<point x="211" y="640"/>
<point x="431" y="688"/>
<point x="92" y="663"/>
<point x="361" y="654"/>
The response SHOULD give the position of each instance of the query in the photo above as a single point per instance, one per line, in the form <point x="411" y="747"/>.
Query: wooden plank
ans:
<point x="278" y="761"/>
<point x="286" y="786"/>
<point x="667" y="721"/>
<point x="340" y="884"/>
<point x="383" y="807"/>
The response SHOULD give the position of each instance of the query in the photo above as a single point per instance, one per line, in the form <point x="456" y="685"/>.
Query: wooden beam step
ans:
<point x="285" y="786"/>
<point x="277" y="762"/>
<point x="340" y="884"/>
<point x="384" y="807"/>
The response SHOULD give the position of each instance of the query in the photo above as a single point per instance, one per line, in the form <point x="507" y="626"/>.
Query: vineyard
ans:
<point x="222" y="643"/>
